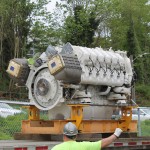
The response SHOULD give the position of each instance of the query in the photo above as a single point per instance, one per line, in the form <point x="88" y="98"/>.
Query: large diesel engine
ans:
<point x="74" y="75"/>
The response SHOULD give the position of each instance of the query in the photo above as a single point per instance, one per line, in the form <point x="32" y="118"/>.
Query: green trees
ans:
<point x="44" y="30"/>
<point x="79" y="28"/>
<point x="21" y="21"/>
<point x="14" y="29"/>
<point x="129" y="26"/>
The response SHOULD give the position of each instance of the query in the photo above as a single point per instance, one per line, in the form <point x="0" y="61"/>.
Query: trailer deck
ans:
<point x="119" y="144"/>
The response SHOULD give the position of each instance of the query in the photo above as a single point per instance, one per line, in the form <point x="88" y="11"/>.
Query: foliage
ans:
<point x="44" y="115"/>
<point x="44" y="30"/>
<point x="18" y="20"/>
<point x="15" y="25"/>
<point x="81" y="25"/>
<point x="145" y="128"/>
<point x="127" y="26"/>
<point x="4" y="136"/>
<point x="12" y="124"/>
<point x="142" y="94"/>
<point x="14" y="29"/>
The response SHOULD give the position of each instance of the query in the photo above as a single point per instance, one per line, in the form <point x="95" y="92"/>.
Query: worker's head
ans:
<point x="70" y="130"/>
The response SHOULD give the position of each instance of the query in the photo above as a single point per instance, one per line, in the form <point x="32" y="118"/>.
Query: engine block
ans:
<point x="78" y="75"/>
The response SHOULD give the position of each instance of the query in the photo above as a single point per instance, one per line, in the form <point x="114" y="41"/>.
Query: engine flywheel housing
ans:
<point x="47" y="91"/>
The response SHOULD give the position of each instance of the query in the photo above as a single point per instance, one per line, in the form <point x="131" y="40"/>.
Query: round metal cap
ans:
<point x="70" y="129"/>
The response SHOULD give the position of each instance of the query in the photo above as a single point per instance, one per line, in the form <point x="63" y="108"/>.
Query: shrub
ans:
<point x="145" y="128"/>
<point x="143" y="94"/>
<point x="10" y="125"/>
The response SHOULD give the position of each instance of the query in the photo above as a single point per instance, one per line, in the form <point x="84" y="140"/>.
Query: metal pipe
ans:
<point x="139" y="121"/>
<point x="105" y="92"/>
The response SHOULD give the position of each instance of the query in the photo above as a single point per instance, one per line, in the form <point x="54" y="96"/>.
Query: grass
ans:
<point x="145" y="128"/>
<point x="12" y="124"/>
<point x="5" y="136"/>
<point x="142" y="93"/>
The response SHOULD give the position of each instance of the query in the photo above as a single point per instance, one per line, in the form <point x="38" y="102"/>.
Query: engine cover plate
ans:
<point x="47" y="91"/>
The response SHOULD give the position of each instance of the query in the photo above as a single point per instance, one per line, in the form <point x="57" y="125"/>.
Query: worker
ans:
<point x="69" y="137"/>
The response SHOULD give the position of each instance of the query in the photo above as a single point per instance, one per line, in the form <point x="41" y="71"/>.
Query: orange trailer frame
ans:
<point x="36" y="126"/>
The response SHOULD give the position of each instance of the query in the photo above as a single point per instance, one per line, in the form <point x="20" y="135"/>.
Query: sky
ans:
<point x="51" y="5"/>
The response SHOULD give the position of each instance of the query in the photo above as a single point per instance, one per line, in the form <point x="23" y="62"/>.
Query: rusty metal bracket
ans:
<point x="34" y="113"/>
<point x="126" y="118"/>
<point x="77" y="114"/>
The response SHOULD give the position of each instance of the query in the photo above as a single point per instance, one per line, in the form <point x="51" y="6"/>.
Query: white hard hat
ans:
<point x="70" y="129"/>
